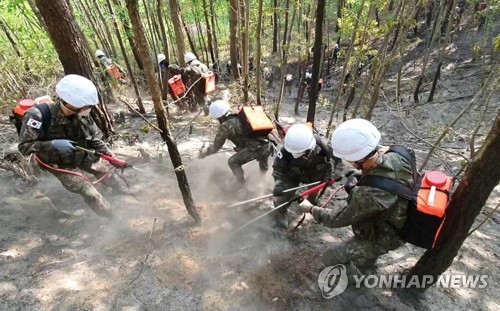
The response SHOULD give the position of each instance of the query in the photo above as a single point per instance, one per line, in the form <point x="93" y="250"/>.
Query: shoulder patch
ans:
<point x="34" y="123"/>
<point x="279" y="155"/>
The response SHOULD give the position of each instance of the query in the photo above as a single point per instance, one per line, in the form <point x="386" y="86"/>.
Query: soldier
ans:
<point x="51" y="131"/>
<point x="193" y="74"/>
<point x="288" y="83"/>
<point x="305" y="158"/>
<point x="376" y="216"/>
<point x="247" y="148"/>
<point x="111" y="68"/>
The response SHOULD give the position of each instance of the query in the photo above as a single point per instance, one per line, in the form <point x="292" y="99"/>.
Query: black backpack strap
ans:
<point x="387" y="184"/>
<point x="46" y="118"/>
<point x="409" y="156"/>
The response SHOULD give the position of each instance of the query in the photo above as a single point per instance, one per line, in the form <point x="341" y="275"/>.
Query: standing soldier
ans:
<point x="304" y="158"/>
<point x="51" y="131"/>
<point x="247" y="148"/>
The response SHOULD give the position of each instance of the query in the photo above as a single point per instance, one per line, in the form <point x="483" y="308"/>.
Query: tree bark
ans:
<point x="210" y="40"/>
<point x="259" y="54"/>
<point x="275" y="26"/>
<point x="125" y="57"/>
<point x="216" y="45"/>
<point x="245" y="47"/>
<point x="164" y="40"/>
<point x="175" y="14"/>
<point x="161" y="116"/>
<point x="434" y="82"/>
<point x="13" y="42"/>
<point x="318" y="50"/>
<point x="106" y="27"/>
<point x="37" y="14"/>
<point x="67" y="39"/>
<point x="190" y="39"/>
<point x="481" y="177"/>
<point x="233" y="38"/>
<point x="130" y="36"/>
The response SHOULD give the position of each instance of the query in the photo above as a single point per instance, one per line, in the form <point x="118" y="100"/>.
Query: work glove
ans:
<point x="63" y="145"/>
<point x="278" y="190"/>
<point x="306" y="206"/>
<point x="350" y="184"/>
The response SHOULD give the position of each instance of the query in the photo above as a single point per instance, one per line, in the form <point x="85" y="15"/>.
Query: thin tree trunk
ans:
<point x="275" y="27"/>
<point x="175" y="14"/>
<point x="245" y="47"/>
<point x="13" y="42"/>
<point x="259" y="53"/>
<point x="97" y="26"/>
<point x="125" y="57"/>
<point x="190" y="39"/>
<point x="318" y="50"/>
<point x="233" y="38"/>
<point x="161" y="116"/>
<point x="164" y="40"/>
<point x="481" y="177"/>
<point x="128" y="33"/>
<point x="93" y="26"/>
<point x="216" y="45"/>
<point x="340" y="6"/>
<point x="344" y="69"/>
<point x="106" y="27"/>
<point x="434" y="82"/>
<point x="37" y="14"/>
<point x="210" y="40"/>
<point x="201" y="38"/>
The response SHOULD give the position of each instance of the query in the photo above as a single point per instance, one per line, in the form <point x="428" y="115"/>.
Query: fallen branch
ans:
<point x="140" y="115"/>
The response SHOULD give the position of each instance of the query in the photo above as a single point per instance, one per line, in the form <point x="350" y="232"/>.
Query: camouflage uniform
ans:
<point x="376" y="216"/>
<point x="247" y="148"/>
<point x="85" y="133"/>
<point x="193" y="73"/>
<point x="289" y="172"/>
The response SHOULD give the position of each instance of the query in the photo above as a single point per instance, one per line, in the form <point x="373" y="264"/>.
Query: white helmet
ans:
<point x="99" y="53"/>
<point x="77" y="91"/>
<point x="299" y="138"/>
<point x="219" y="108"/>
<point x="354" y="139"/>
<point x="189" y="57"/>
<point x="161" y="57"/>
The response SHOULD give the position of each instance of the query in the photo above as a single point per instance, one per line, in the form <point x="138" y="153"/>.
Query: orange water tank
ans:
<point x="177" y="86"/>
<point x="23" y="106"/>
<point x="115" y="72"/>
<point x="257" y="119"/>
<point x="209" y="78"/>
<point x="434" y="192"/>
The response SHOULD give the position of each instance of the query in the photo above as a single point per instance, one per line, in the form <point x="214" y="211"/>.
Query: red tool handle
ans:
<point x="114" y="160"/>
<point x="317" y="188"/>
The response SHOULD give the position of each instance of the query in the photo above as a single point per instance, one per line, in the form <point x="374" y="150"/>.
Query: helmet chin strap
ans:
<point x="368" y="164"/>
<point x="66" y="110"/>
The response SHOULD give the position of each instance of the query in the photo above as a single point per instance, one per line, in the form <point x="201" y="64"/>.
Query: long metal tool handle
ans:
<point x="259" y="217"/>
<point x="270" y="195"/>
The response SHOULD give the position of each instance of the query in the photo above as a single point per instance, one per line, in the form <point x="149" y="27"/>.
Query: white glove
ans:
<point x="306" y="206"/>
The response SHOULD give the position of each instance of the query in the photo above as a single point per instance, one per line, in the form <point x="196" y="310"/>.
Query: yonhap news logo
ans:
<point x="333" y="281"/>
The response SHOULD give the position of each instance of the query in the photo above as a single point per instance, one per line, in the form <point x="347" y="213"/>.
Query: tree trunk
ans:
<point x="233" y="38"/>
<point x="164" y="40"/>
<point x="434" y="82"/>
<point x="95" y="25"/>
<point x="67" y="39"/>
<point x="340" y="6"/>
<point x="216" y="45"/>
<point x="210" y="40"/>
<point x="130" y="36"/>
<point x="161" y="116"/>
<point x="245" y="47"/>
<point x="125" y="57"/>
<point x="37" y="14"/>
<point x="190" y="39"/>
<point x="106" y="27"/>
<point x="175" y="14"/>
<point x="13" y="42"/>
<point x="318" y="50"/>
<point x="259" y="53"/>
<point x="275" y="27"/>
<point x="481" y="177"/>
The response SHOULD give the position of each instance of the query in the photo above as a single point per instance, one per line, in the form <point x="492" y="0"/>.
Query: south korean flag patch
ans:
<point x="34" y="124"/>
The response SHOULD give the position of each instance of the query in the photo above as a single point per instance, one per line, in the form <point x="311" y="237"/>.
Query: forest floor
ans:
<point x="152" y="257"/>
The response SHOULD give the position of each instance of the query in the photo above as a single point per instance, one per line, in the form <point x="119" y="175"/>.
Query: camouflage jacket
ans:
<point x="316" y="166"/>
<point x="373" y="213"/>
<point x="81" y="130"/>
<point x="232" y="129"/>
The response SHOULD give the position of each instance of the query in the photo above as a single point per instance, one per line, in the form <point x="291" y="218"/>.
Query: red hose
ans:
<point x="331" y="197"/>
<point x="60" y="170"/>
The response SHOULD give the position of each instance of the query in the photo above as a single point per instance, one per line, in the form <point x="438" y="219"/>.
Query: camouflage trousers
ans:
<point x="245" y="155"/>
<point x="356" y="253"/>
<point x="91" y="196"/>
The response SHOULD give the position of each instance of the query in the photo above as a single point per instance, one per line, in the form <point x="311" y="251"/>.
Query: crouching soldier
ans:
<point x="51" y="131"/>
<point x="305" y="158"/>
<point x="376" y="216"/>
<point x="247" y="148"/>
<point x="192" y="74"/>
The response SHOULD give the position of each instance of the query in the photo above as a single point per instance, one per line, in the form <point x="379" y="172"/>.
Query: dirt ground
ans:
<point x="152" y="257"/>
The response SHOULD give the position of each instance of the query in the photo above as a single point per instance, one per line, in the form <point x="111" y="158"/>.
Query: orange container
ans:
<point x="209" y="78"/>
<point x="115" y="72"/>
<point x="257" y="119"/>
<point x="177" y="86"/>
<point x="23" y="106"/>
<point x="433" y="195"/>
